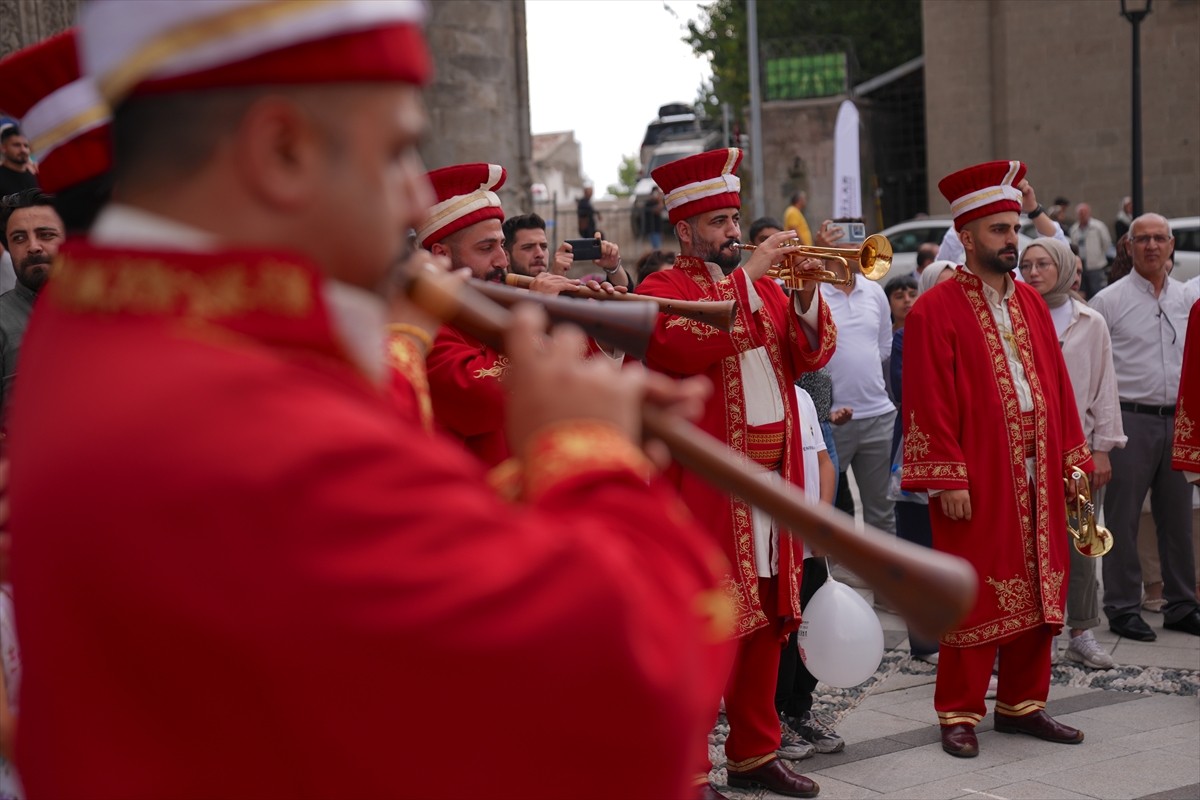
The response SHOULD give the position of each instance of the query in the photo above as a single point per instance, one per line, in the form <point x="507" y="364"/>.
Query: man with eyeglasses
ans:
<point x="1147" y="316"/>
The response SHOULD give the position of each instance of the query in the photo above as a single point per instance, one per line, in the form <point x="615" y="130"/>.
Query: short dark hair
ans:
<point x="926" y="253"/>
<point x="27" y="198"/>
<point x="9" y="132"/>
<point x="899" y="282"/>
<point x="761" y="224"/>
<point x="523" y="222"/>
<point x="651" y="262"/>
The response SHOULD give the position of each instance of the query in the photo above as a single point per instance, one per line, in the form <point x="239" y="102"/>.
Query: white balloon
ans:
<point x="840" y="638"/>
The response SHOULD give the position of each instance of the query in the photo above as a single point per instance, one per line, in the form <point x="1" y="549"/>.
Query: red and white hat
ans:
<point x="700" y="183"/>
<point x="983" y="190"/>
<point x="66" y="122"/>
<point x="142" y="47"/>
<point x="465" y="195"/>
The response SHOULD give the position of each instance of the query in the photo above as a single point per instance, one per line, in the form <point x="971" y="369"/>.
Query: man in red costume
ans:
<point x="990" y="435"/>
<point x="753" y="409"/>
<point x="465" y="375"/>
<point x="265" y="581"/>
<point x="1185" y="450"/>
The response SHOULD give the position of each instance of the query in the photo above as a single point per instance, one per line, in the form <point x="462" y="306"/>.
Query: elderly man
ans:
<point x="754" y="411"/>
<point x="1095" y="245"/>
<point x="990" y="435"/>
<point x="271" y="583"/>
<point x="1147" y="315"/>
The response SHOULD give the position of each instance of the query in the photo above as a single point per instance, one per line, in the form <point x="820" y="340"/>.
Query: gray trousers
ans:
<point x="1144" y="464"/>
<point x="1083" y="601"/>
<point x="866" y="445"/>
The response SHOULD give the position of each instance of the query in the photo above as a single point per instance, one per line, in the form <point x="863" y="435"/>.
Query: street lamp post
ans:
<point x="1133" y="11"/>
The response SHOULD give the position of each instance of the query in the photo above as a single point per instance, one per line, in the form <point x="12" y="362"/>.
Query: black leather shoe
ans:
<point x="775" y="777"/>
<point x="707" y="792"/>
<point x="959" y="740"/>
<point x="1132" y="626"/>
<point x="1041" y="725"/>
<point x="1189" y="624"/>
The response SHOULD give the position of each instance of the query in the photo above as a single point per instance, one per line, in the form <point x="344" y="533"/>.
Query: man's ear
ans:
<point x="281" y="151"/>
<point x="439" y="249"/>
<point x="683" y="232"/>
<point x="967" y="237"/>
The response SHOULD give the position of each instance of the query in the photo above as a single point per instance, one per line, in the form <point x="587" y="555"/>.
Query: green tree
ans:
<point x="883" y="34"/>
<point x="627" y="174"/>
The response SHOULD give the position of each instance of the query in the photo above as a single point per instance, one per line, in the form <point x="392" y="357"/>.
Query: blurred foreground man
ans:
<point x="266" y="582"/>
<point x="989" y="437"/>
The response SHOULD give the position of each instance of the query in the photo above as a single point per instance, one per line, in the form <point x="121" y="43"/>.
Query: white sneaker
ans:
<point x="993" y="684"/>
<point x="1055" y="647"/>
<point x="1087" y="651"/>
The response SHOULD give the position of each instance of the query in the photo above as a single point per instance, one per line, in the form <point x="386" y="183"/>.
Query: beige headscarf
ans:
<point x="1064" y="260"/>
<point x="930" y="275"/>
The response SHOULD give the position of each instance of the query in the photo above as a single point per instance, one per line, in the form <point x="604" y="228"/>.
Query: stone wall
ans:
<point x="798" y="156"/>
<point x="479" y="101"/>
<point x="1049" y="84"/>
<point x="23" y="22"/>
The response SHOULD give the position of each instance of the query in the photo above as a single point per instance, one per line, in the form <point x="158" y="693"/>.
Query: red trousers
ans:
<point x="1023" y="680"/>
<point x="750" y="691"/>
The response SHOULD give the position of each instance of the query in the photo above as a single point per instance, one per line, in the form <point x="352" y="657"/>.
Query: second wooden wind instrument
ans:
<point x="932" y="591"/>
<point x="717" y="313"/>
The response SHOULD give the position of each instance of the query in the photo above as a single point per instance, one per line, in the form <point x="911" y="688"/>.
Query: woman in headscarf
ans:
<point x="1049" y="266"/>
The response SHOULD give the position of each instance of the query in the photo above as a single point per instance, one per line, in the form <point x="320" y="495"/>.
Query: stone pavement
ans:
<point x="1141" y="721"/>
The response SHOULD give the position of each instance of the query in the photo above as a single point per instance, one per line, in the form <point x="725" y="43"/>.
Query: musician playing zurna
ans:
<point x="991" y="431"/>
<point x="466" y="376"/>
<point x="262" y="581"/>
<point x="753" y="409"/>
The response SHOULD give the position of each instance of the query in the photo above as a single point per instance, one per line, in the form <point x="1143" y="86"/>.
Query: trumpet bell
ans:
<point x="1089" y="539"/>
<point x="874" y="259"/>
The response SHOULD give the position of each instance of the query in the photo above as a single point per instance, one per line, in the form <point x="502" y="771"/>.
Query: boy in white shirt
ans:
<point x="794" y="688"/>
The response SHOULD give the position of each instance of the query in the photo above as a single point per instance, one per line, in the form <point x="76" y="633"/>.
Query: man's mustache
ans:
<point x="36" y="258"/>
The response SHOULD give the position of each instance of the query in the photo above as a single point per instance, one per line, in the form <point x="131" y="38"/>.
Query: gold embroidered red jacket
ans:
<point x="963" y="431"/>
<point x="684" y="347"/>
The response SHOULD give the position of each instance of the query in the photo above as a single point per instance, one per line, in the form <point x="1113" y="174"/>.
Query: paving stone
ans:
<point x="1029" y="790"/>
<point x="946" y="789"/>
<point x="911" y="767"/>
<point x="1131" y="776"/>
<point x="1148" y="713"/>
<point x="1189" y="792"/>
<point x="1157" y="654"/>
<point x="860" y="726"/>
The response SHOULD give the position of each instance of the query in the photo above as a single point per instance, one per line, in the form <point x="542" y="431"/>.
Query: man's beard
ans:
<point x="496" y="275"/>
<point x="999" y="260"/>
<point x="30" y="278"/>
<point x="727" y="260"/>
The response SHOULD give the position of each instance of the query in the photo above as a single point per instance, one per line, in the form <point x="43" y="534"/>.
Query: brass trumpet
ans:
<point x="1090" y="539"/>
<point x="874" y="259"/>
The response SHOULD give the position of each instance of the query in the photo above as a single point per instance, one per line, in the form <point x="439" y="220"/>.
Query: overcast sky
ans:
<point x="603" y="67"/>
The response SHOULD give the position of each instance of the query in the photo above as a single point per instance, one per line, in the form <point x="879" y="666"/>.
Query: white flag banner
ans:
<point x="847" y="173"/>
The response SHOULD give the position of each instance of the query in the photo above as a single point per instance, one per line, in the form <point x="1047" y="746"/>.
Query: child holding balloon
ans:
<point x="795" y="684"/>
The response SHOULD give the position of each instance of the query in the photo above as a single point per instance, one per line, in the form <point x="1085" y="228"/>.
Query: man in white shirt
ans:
<point x="864" y="343"/>
<point x="1147" y="316"/>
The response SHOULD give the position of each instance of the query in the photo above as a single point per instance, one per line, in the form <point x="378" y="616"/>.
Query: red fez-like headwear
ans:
<point x="67" y="123"/>
<point x="983" y="190"/>
<point x="465" y="195"/>
<point x="700" y="183"/>
<point x="141" y="47"/>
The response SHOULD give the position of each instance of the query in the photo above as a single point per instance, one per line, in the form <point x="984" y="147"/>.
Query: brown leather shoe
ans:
<point x="959" y="740"/>
<point x="774" y="776"/>
<point x="1041" y="725"/>
<point x="707" y="792"/>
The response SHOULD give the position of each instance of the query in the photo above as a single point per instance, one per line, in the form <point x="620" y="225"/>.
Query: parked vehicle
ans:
<point x="1186" y="231"/>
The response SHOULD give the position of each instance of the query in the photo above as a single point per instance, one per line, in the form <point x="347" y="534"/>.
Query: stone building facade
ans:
<point x="23" y="22"/>
<point x="479" y="100"/>
<point x="1049" y="83"/>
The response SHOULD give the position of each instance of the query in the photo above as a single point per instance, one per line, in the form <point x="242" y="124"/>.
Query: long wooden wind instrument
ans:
<point x="932" y="591"/>
<point x="717" y="313"/>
